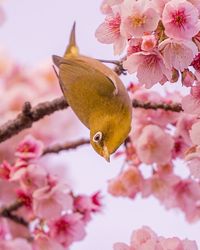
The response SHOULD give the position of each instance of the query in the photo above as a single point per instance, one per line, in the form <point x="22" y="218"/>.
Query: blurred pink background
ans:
<point x="33" y="31"/>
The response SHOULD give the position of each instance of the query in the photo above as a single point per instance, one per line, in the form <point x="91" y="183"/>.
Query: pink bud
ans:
<point x="148" y="42"/>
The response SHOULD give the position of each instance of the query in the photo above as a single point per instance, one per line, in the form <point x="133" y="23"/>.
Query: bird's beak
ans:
<point x="106" y="154"/>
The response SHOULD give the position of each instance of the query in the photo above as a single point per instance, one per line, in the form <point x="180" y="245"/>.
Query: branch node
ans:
<point x="26" y="109"/>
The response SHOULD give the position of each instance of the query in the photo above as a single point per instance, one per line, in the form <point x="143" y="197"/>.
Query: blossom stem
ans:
<point x="66" y="146"/>
<point x="119" y="66"/>
<point x="116" y="62"/>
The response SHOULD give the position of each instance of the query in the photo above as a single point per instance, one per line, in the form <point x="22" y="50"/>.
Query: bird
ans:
<point x="97" y="96"/>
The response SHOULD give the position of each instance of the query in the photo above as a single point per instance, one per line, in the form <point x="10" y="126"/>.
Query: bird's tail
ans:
<point x="72" y="49"/>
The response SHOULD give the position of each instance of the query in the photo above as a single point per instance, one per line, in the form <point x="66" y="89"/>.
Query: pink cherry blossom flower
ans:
<point x="138" y="17"/>
<point x="29" y="148"/>
<point x="191" y="102"/>
<point x="162" y="187"/>
<point x="150" y="146"/>
<point x="32" y="178"/>
<point x="145" y="239"/>
<point x="187" y="196"/>
<point x="83" y="203"/>
<point x="86" y="205"/>
<point x="109" y="32"/>
<point x="178" y="54"/>
<point x="67" y="229"/>
<point x="180" y="19"/>
<point x="49" y="201"/>
<point x="128" y="183"/>
<point x="150" y="67"/>
<point x="177" y="244"/>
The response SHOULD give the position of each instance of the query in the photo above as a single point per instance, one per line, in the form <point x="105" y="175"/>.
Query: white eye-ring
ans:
<point x="97" y="137"/>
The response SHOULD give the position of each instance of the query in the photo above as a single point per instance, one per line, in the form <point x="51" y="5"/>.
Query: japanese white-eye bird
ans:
<point x="97" y="96"/>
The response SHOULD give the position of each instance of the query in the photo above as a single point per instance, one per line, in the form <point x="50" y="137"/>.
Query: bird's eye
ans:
<point x="97" y="137"/>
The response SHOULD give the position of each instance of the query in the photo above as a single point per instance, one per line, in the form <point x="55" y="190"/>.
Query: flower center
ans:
<point x="138" y="21"/>
<point x="179" y="18"/>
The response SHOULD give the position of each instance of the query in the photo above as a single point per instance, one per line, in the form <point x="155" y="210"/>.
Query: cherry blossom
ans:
<point x="150" y="67"/>
<point x="145" y="238"/>
<point x="67" y="229"/>
<point x="178" y="54"/>
<point x="138" y="17"/>
<point x="128" y="183"/>
<point x="150" y="146"/>
<point x="29" y="148"/>
<point x="49" y="201"/>
<point x="109" y="32"/>
<point x="180" y="19"/>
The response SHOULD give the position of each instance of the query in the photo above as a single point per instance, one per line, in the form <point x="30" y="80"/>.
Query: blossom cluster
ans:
<point x="161" y="140"/>
<point x="161" y="37"/>
<point x="49" y="215"/>
<point x="145" y="238"/>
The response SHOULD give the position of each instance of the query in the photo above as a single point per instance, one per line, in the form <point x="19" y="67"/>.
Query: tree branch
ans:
<point x="7" y="213"/>
<point x="30" y="115"/>
<point x="66" y="146"/>
<point x="174" y="107"/>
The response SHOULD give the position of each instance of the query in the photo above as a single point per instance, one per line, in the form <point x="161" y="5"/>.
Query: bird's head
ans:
<point x="108" y="135"/>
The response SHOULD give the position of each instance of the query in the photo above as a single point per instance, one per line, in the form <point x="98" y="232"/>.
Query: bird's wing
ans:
<point x="77" y="67"/>
<point x="116" y="81"/>
<point x="78" y="62"/>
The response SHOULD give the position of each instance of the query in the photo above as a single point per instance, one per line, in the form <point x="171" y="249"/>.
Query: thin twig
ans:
<point x="116" y="62"/>
<point x="119" y="65"/>
<point x="174" y="107"/>
<point x="6" y="212"/>
<point x="30" y="115"/>
<point x="66" y="146"/>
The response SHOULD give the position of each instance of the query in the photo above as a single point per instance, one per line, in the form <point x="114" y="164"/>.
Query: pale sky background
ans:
<point x="36" y="29"/>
